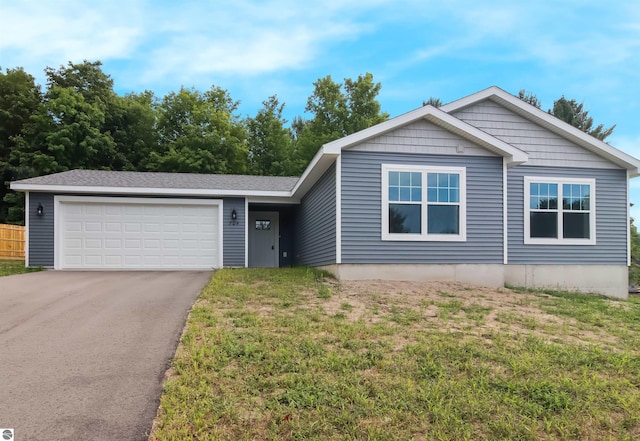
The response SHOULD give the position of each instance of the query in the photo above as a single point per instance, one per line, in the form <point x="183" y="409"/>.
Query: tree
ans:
<point x="132" y="121"/>
<point x="20" y="97"/>
<point x="86" y="78"/>
<point x="435" y="102"/>
<point x="65" y="134"/>
<point x="572" y="112"/>
<point x="270" y="143"/>
<point x="529" y="97"/>
<point x="338" y="110"/>
<point x="199" y="133"/>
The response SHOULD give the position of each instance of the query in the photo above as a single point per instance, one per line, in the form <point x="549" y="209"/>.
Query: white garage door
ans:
<point x="118" y="233"/>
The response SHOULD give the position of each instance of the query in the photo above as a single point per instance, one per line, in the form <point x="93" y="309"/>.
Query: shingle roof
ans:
<point x="101" y="178"/>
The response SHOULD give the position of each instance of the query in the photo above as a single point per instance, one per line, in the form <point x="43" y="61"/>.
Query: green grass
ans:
<point x="282" y="355"/>
<point x="11" y="267"/>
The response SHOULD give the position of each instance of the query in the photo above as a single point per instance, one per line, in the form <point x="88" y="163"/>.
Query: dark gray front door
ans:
<point x="263" y="239"/>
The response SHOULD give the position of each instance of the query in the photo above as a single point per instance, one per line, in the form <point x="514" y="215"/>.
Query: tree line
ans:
<point x="78" y="121"/>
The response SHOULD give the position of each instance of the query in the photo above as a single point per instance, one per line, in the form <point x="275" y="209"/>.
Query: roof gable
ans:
<point x="435" y="116"/>
<point x="550" y="123"/>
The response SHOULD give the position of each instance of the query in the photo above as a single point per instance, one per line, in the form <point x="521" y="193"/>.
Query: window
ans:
<point x="423" y="203"/>
<point x="263" y="225"/>
<point x="559" y="211"/>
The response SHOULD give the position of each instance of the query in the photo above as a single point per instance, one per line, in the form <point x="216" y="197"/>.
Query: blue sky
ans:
<point x="587" y="50"/>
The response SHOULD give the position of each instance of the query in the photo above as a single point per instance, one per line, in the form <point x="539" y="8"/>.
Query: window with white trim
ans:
<point x="559" y="211"/>
<point x="423" y="203"/>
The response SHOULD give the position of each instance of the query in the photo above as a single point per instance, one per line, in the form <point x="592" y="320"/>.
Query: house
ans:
<point x="485" y="190"/>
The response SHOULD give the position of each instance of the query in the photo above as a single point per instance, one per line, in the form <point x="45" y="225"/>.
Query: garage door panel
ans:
<point x="95" y="244"/>
<point x="139" y="236"/>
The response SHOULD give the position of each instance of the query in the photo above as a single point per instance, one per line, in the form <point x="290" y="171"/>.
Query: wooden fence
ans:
<point x="12" y="240"/>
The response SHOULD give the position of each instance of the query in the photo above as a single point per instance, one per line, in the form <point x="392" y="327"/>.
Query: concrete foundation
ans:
<point x="481" y="275"/>
<point x="610" y="280"/>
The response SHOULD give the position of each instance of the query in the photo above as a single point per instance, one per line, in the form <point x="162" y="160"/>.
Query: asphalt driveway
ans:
<point x="83" y="354"/>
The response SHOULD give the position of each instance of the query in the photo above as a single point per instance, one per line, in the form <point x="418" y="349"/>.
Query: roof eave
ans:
<point x="77" y="189"/>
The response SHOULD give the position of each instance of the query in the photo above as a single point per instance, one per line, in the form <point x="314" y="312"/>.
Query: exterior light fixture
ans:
<point x="40" y="210"/>
<point x="234" y="214"/>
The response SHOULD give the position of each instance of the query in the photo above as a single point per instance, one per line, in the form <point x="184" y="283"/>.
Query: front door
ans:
<point x="263" y="239"/>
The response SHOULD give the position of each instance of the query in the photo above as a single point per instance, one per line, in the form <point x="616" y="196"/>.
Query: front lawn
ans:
<point x="288" y="354"/>
<point x="11" y="267"/>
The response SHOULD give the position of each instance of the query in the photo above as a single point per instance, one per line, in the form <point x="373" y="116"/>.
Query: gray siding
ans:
<point x="545" y="148"/>
<point x="41" y="233"/>
<point x="361" y="212"/>
<point x="316" y="229"/>
<point x="422" y="137"/>
<point x="233" y="235"/>
<point x="611" y="219"/>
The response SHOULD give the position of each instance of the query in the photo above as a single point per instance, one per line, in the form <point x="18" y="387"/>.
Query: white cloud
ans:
<point x="54" y="33"/>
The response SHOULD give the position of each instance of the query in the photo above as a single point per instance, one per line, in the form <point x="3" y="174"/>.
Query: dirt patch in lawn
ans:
<point x="460" y="306"/>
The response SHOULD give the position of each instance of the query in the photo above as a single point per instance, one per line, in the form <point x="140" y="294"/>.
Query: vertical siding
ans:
<point x="233" y="235"/>
<point x="362" y="203"/>
<point x="545" y="148"/>
<point x="611" y="219"/>
<point x="41" y="230"/>
<point x="316" y="229"/>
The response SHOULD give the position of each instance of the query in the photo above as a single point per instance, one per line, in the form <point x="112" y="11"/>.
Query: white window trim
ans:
<point x="424" y="236"/>
<point x="559" y="241"/>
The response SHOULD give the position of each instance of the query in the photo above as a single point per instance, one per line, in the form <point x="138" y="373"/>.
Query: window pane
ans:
<point x="543" y="224"/>
<point x="534" y="202"/>
<point x="584" y="191"/>
<point x="454" y="181"/>
<point x="585" y="203"/>
<point x="433" y="195"/>
<point x="534" y="189"/>
<point x="454" y="196"/>
<point x="416" y="179"/>
<point x="405" y="218"/>
<point x="443" y="195"/>
<point x="432" y="179"/>
<point x="443" y="180"/>
<point x="405" y="194"/>
<point x="553" y="190"/>
<point x="544" y="203"/>
<point x="553" y="203"/>
<point x="544" y="189"/>
<point x="394" y="194"/>
<point x="405" y="179"/>
<point x="416" y="194"/>
<point x="443" y="219"/>
<point x="575" y="225"/>
<point x="394" y="178"/>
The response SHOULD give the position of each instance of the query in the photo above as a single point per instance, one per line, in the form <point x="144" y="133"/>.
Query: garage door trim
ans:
<point x="59" y="200"/>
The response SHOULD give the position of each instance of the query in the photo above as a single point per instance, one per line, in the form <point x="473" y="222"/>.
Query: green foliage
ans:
<point x="634" y="269"/>
<point x="11" y="267"/>
<point x="20" y="98"/>
<point x="432" y="101"/>
<point x="199" y="133"/>
<point x="572" y="112"/>
<point x="338" y="110"/>
<point x="529" y="97"/>
<point x="270" y="143"/>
